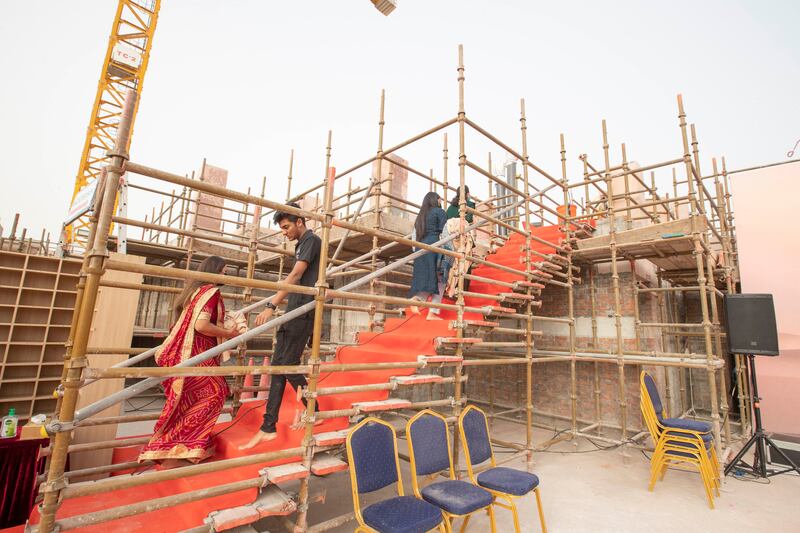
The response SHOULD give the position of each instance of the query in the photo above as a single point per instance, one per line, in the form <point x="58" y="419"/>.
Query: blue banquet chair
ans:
<point x="429" y="451"/>
<point x="374" y="465"/>
<point x="504" y="483"/>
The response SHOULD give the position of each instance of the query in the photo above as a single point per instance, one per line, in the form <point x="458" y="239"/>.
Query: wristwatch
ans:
<point x="271" y="305"/>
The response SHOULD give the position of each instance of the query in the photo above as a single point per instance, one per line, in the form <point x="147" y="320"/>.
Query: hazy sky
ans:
<point x="242" y="82"/>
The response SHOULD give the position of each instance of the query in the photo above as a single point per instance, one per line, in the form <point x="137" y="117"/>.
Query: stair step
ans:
<point x="475" y="324"/>
<point x="429" y="359"/>
<point x="498" y="309"/>
<point x="381" y="405"/>
<point x="416" y="379"/>
<point x="324" y="464"/>
<point x="441" y="343"/>
<point x="457" y="340"/>
<point x="331" y="438"/>
<point x="285" y="472"/>
<point x="517" y="296"/>
<point x="530" y="284"/>
<point x="272" y="501"/>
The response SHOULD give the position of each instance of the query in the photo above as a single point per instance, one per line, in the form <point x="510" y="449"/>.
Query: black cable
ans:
<point x="749" y="477"/>
<point x="239" y="418"/>
<point x="235" y="421"/>
<point x="141" y="407"/>
<point x="598" y="447"/>
<point x="336" y="357"/>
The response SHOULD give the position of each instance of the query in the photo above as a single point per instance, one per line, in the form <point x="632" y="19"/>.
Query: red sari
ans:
<point x="183" y="431"/>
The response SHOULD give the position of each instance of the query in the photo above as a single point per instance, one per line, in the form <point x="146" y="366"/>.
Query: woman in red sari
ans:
<point x="183" y="431"/>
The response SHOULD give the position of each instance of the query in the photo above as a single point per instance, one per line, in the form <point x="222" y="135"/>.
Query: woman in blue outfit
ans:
<point x="428" y="228"/>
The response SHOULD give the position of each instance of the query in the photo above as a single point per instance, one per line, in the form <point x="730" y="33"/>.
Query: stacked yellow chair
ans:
<point x="686" y="444"/>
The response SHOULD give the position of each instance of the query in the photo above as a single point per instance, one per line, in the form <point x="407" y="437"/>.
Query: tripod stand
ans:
<point x="760" y="440"/>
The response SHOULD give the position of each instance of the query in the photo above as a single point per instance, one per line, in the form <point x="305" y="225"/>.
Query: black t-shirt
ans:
<point x="307" y="249"/>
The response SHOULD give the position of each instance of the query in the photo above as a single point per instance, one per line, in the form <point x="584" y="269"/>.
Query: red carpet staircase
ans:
<point x="411" y="338"/>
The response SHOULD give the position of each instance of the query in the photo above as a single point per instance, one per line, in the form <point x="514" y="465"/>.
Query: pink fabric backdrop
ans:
<point x="769" y="252"/>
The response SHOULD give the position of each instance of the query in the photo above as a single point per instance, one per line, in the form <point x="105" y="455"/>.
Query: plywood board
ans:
<point x="112" y="326"/>
<point x="652" y="232"/>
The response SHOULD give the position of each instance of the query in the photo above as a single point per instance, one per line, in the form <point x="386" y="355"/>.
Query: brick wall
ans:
<point x="552" y="381"/>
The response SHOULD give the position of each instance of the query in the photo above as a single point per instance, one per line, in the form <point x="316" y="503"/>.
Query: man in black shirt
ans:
<point x="292" y="337"/>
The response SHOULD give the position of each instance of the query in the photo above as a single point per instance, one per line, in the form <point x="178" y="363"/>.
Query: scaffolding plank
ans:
<point x="271" y="502"/>
<point x="285" y="472"/>
<point x="475" y="324"/>
<point x="330" y="438"/>
<point x="381" y="405"/>
<point x="416" y="379"/>
<point x="324" y="464"/>
<point x="428" y="359"/>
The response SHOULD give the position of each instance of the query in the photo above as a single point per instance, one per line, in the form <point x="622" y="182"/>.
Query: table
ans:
<point x="19" y="466"/>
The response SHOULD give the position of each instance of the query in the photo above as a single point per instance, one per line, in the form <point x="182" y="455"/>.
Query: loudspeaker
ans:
<point x="750" y="324"/>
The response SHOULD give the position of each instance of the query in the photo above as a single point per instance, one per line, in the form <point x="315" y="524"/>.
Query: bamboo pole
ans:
<point x="701" y="279"/>
<point x="623" y="405"/>
<point x="96" y="257"/>
<point x="625" y="174"/>
<point x="315" y="361"/>
<point x="528" y="311"/>
<point x="595" y="345"/>
<point x="713" y="330"/>
<point x="461" y="264"/>
<point x="722" y="202"/>
<point x="662" y="314"/>
<point x="570" y="292"/>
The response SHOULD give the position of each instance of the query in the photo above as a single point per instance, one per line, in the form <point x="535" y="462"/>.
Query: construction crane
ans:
<point x="124" y="68"/>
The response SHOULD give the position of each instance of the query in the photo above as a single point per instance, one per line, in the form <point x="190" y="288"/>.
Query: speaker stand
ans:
<point x="760" y="440"/>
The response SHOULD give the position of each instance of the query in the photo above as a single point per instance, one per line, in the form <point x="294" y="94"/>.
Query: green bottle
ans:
<point x="9" y="425"/>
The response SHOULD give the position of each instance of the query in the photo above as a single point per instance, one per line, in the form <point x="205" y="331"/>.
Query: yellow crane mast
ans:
<point x="124" y="68"/>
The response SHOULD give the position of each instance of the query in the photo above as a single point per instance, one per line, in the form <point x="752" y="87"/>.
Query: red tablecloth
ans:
<point x="19" y="466"/>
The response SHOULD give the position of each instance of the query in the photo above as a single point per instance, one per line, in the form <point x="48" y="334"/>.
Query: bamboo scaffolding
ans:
<point x="562" y="269"/>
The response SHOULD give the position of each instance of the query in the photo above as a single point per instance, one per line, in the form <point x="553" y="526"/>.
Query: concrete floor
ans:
<point x="595" y="491"/>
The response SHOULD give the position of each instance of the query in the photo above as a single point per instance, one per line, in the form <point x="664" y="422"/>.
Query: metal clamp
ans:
<point x="58" y="426"/>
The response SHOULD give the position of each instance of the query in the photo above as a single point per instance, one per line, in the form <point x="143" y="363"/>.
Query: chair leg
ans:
<point x="707" y="486"/>
<point x="541" y="512"/>
<point x="448" y="525"/>
<point x="490" y="510"/>
<point x="711" y="473"/>
<point x="655" y="468"/>
<point x="464" y="524"/>
<point x="441" y="527"/>
<point x="514" y="515"/>
<point x="663" y="471"/>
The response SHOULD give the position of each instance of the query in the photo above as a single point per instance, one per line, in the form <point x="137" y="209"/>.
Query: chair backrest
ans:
<point x="475" y="435"/>
<point x="429" y="444"/>
<point x="652" y="392"/>
<point x="372" y="453"/>
<point x="650" y="408"/>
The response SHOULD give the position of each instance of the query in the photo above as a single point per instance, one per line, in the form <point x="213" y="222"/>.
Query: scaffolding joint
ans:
<point x="77" y="362"/>
<point x="56" y="485"/>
